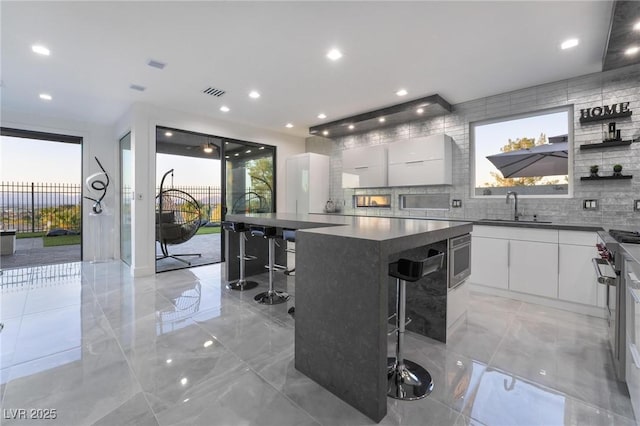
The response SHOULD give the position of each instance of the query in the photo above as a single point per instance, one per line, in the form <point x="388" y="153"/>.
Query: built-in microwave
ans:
<point x="459" y="259"/>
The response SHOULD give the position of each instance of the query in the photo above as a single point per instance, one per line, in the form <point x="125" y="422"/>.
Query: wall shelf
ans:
<point x="621" y="177"/>
<point x="602" y="145"/>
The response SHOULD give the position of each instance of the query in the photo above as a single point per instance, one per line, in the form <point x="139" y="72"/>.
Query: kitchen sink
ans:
<point x="513" y="221"/>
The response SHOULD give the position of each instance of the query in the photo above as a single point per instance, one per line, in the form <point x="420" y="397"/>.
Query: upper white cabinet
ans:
<point x="421" y="161"/>
<point x="307" y="183"/>
<point x="364" y="167"/>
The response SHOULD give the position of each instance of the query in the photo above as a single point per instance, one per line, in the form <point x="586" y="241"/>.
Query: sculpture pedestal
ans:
<point x="101" y="234"/>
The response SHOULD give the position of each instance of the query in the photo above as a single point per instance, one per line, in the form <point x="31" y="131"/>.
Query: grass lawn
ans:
<point x="208" y="230"/>
<point x="29" y="235"/>
<point x="61" y="240"/>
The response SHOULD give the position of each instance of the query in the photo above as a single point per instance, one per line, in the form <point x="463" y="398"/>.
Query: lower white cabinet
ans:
<point x="541" y="262"/>
<point x="577" y="278"/>
<point x="533" y="268"/>
<point x="489" y="262"/>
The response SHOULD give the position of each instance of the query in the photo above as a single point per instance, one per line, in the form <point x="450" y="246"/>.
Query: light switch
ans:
<point x="590" y="204"/>
<point x="636" y="205"/>
<point x="456" y="203"/>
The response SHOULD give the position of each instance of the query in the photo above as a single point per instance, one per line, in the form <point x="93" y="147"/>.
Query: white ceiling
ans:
<point x="460" y="50"/>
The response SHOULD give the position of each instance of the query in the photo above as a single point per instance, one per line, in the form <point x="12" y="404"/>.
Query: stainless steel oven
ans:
<point x="459" y="259"/>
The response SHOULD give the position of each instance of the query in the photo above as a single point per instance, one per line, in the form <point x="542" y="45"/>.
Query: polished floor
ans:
<point x="100" y="347"/>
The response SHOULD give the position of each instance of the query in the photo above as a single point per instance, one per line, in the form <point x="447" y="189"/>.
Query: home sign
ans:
<point x="605" y="112"/>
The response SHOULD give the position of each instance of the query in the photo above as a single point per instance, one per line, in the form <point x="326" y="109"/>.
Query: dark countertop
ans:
<point x="358" y="227"/>
<point x="496" y="222"/>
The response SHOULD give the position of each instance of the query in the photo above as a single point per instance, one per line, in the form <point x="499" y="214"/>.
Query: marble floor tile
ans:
<point x="102" y="347"/>
<point x="245" y="399"/>
<point x="135" y="411"/>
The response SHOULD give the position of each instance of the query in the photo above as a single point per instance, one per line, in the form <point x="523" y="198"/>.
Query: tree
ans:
<point x="261" y="174"/>
<point x="517" y="145"/>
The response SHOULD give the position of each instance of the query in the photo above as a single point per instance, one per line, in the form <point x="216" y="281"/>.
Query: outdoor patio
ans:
<point x="30" y="252"/>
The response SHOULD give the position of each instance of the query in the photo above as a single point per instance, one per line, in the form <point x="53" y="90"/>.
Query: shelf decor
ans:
<point x="606" y="112"/>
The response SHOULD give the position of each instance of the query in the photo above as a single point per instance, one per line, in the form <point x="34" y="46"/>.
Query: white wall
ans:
<point x="142" y="120"/>
<point x="98" y="141"/>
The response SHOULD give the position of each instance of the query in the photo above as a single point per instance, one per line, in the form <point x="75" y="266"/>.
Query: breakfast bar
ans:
<point x="342" y="266"/>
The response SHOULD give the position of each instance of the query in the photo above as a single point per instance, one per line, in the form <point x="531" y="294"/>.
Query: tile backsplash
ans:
<point x="615" y="199"/>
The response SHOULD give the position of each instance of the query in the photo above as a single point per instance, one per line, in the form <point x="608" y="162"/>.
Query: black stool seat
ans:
<point x="412" y="270"/>
<point x="407" y="380"/>
<point x="234" y="226"/>
<point x="289" y="235"/>
<point x="263" y="231"/>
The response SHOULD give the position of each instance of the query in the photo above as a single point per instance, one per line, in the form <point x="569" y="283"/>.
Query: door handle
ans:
<point x="414" y="162"/>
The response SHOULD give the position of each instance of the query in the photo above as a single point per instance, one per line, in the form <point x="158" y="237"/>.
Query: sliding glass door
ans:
<point x="126" y="194"/>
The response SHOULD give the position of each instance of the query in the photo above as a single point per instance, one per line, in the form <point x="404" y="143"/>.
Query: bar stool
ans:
<point x="241" y="284"/>
<point x="407" y="380"/>
<point x="289" y="235"/>
<point x="270" y="297"/>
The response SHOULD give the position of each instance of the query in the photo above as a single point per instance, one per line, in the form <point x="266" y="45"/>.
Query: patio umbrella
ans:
<point x="542" y="160"/>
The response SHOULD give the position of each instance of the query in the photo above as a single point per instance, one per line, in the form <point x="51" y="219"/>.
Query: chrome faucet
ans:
<point x="516" y="215"/>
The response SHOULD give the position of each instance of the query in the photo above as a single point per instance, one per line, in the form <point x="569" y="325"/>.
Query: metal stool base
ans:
<point x="271" y="297"/>
<point x="242" y="285"/>
<point x="408" y="383"/>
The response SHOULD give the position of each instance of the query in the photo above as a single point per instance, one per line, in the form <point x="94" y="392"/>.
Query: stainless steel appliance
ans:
<point x="610" y="269"/>
<point x="459" y="259"/>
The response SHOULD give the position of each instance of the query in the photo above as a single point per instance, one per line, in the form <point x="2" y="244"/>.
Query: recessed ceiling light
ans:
<point x="45" y="96"/>
<point x="632" y="50"/>
<point x="351" y="127"/>
<point x="226" y="142"/>
<point x="226" y="156"/>
<point x="382" y="119"/>
<point x="248" y="151"/>
<point x="334" y="54"/>
<point x="262" y="147"/>
<point x="420" y="110"/>
<point x="637" y="26"/>
<point x="288" y="125"/>
<point x="567" y="44"/>
<point x="169" y="361"/>
<point x="401" y="92"/>
<point x="208" y="343"/>
<point x="254" y="95"/>
<point x="236" y="154"/>
<point x="156" y="64"/>
<point x="40" y="50"/>
<point x="184" y="381"/>
<point x="322" y="116"/>
<point x="208" y="149"/>
<point x="224" y="108"/>
<point x="326" y="132"/>
<point x="168" y="134"/>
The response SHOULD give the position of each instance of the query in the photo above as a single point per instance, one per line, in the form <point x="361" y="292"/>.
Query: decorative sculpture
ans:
<point x="93" y="183"/>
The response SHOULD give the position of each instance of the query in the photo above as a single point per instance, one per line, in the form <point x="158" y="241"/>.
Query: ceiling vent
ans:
<point x="137" y="87"/>
<point x="156" y="64"/>
<point x="213" y="92"/>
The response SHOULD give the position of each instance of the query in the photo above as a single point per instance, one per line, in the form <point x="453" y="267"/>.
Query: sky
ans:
<point x="489" y="138"/>
<point x="30" y="160"/>
<point x="188" y="171"/>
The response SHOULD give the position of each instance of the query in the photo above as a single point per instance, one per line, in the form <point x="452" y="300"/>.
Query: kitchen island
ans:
<point x="342" y="295"/>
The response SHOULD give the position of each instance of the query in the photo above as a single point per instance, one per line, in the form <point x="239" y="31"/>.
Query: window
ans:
<point x="529" y="154"/>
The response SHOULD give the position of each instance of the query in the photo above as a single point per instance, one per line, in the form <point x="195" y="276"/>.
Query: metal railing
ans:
<point x="40" y="207"/>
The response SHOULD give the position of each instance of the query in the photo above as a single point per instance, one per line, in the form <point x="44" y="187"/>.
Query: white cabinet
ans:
<point x="555" y="264"/>
<point x="489" y="262"/>
<point x="421" y="161"/>
<point x="577" y="281"/>
<point x="307" y="183"/>
<point x="533" y="268"/>
<point x="364" y="167"/>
